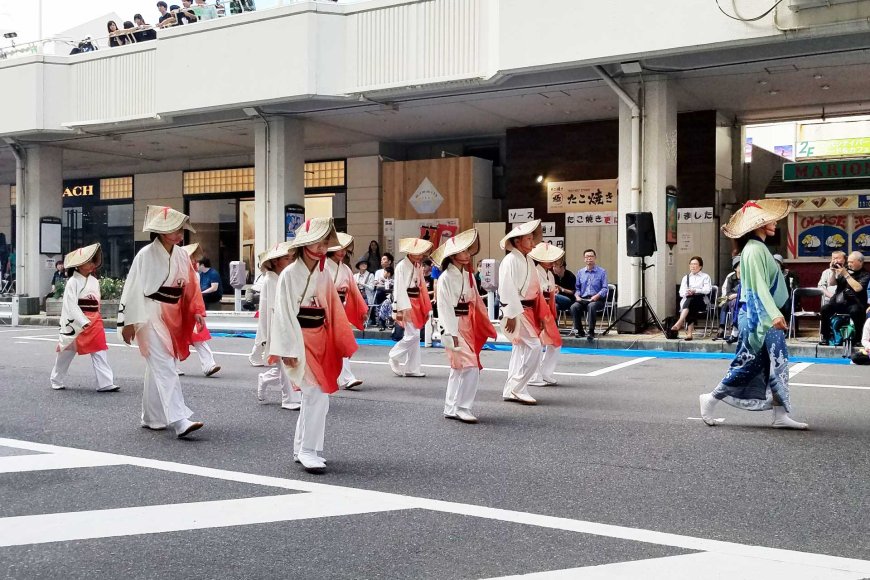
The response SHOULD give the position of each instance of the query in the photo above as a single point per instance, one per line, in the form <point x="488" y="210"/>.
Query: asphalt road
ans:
<point x="524" y="491"/>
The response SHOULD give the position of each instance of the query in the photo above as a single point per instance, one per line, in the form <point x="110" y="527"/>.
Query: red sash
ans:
<point x="93" y="338"/>
<point x="480" y="323"/>
<point x="179" y="318"/>
<point x="325" y="347"/>
<point x="551" y="335"/>
<point x="355" y="307"/>
<point x="422" y="305"/>
<point x="201" y="336"/>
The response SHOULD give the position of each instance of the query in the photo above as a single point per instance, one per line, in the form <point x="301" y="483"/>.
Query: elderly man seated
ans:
<point x="849" y="295"/>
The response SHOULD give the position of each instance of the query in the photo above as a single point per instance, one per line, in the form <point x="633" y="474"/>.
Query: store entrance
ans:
<point x="218" y="232"/>
<point x="108" y="224"/>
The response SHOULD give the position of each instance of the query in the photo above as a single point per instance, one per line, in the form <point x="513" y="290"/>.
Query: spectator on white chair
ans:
<point x="695" y="291"/>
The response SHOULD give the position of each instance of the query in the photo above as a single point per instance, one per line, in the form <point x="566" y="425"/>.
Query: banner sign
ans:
<point x="521" y="215"/>
<point x="834" y="147"/>
<point x="594" y="218"/>
<point x="822" y="170"/>
<point x="827" y="201"/>
<point x="695" y="215"/>
<point x="558" y="242"/>
<point x="861" y="234"/>
<point x="582" y="196"/>
<point x="819" y="235"/>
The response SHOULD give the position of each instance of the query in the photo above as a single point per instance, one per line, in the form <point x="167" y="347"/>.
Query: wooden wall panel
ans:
<point x="601" y="239"/>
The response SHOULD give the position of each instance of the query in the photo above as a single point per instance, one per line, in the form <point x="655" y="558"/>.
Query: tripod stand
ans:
<point x="648" y="310"/>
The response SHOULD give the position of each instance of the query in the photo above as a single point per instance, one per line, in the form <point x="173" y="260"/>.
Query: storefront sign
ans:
<point x="819" y="235"/>
<point x="82" y="188"/>
<point x="695" y="215"/>
<point x="593" y="218"/>
<point x="582" y="196"/>
<point x="829" y="201"/>
<point x="426" y="199"/>
<point x="558" y="242"/>
<point x="521" y="215"/>
<point x="834" y="147"/>
<point x="548" y="229"/>
<point x="861" y="234"/>
<point x="822" y="170"/>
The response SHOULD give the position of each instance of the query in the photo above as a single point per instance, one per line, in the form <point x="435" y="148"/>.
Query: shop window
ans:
<point x="325" y="174"/>
<point x="218" y="181"/>
<point x="116" y="188"/>
<point x="217" y="230"/>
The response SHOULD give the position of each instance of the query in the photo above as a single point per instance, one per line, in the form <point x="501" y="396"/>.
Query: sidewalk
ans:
<point x="244" y="322"/>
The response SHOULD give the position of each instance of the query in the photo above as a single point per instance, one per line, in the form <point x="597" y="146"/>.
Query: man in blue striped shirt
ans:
<point x="591" y="293"/>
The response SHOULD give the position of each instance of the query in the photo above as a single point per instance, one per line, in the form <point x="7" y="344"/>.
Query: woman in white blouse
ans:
<point x="695" y="293"/>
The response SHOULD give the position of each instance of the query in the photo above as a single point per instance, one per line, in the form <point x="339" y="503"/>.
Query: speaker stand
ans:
<point x="648" y="310"/>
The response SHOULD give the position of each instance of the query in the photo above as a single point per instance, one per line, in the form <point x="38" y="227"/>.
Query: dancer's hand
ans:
<point x="510" y="324"/>
<point x="128" y="333"/>
<point x="200" y="322"/>
<point x="400" y="316"/>
<point x="291" y="361"/>
<point x="780" y="323"/>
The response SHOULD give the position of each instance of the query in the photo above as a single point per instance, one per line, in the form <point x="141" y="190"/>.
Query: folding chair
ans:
<point x="796" y="316"/>
<point x="711" y="312"/>
<point x="609" y="311"/>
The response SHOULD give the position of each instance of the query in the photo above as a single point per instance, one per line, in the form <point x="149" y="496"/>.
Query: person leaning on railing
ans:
<point x="144" y="31"/>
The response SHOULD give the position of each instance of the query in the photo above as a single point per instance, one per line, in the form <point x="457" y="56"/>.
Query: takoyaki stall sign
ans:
<point x="824" y="170"/>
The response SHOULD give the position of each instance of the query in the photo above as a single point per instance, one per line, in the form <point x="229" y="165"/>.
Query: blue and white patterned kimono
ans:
<point x="758" y="376"/>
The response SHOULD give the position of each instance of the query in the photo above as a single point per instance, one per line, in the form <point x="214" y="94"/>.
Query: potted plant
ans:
<point x="110" y="293"/>
<point x="54" y="303"/>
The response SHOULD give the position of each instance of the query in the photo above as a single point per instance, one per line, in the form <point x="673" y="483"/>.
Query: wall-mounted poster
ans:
<point x="819" y="235"/>
<point x="582" y="196"/>
<point x="671" y="233"/>
<point x="861" y="234"/>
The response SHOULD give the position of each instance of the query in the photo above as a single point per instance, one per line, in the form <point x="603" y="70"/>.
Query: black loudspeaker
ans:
<point x="640" y="234"/>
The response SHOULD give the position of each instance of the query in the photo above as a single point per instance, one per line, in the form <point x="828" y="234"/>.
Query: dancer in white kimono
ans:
<point x="464" y="322"/>
<point x="272" y="263"/>
<point x="310" y="334"/>
<point x="81" y="326"/>
<point x="160" y="306"/>
<point x="412" y="306"/>
<point x="522" y="306"/>
<point x="545" y="256"/>
<point x="201" y="337"/>
<point x="354" y="304"/>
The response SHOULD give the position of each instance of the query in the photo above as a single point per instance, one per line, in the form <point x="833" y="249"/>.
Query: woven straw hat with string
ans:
<point x="461" y="242"/>
<point x="546" y="252"/>
<point x="345" y="242"/>
<point x="165" y="220"/>
<point x="276" y="251"/>
<point x="755" y="214"/>
<point x="415" y="246"/>
<point x="313" y="231"/>
<point x="84" y="255"/>
<point x="193" y="250"/>
<point x="533" y="227"/>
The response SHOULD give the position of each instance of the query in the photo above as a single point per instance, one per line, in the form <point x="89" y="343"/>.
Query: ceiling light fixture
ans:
<point x="539" y="179"/>
<point x="762" y="83"/>
<point x="825" y="87"/>
<point x="773" y="92"/>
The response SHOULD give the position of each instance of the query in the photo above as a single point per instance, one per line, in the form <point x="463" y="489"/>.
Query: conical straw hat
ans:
<point x="755" y="214"/>
<point x="84" y="255"/>
<point x="345" y="242"/>
<point x="193" y="250"/>
<point x="165" y="220"/>
<point x="276" y="251"/>
<point x="532" y="227"/>
<point x="467" y="240"/>
<point x="546" y="252"/>
<point x="314" y="230"/>
<point x="415" y="246"/>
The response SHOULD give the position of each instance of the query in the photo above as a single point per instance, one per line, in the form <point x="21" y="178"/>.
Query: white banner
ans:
<point x="592" y="218"/>
<point x="521" y="215"/>
<point x="694" y="215"/>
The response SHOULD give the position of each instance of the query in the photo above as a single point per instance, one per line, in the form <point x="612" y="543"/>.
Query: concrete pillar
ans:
<point x="659" y="171"/>
<point x="279" y="176"/>
<point x="626" y="276"/>
<point x="43" y="197"/>
<point x="365" y="209"/>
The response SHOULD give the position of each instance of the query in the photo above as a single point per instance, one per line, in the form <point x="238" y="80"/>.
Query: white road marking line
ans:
<point x="17" y="463"/>
<point x="397" y="501"/>
<point x="617" y="367"/>
<point x="28" y="329"/>
<point x="797" y="368"/>
<point x="691" y="567"/>
<point x="829" y="386"/>
<point x="62" y="527"/>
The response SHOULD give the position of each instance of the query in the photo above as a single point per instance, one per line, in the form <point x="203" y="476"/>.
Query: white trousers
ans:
<point x="548" y="365"/>
<point x="162" y="400"/>
<point x="257" y="355"/>
<point x="461" y="389"/>
<point x="311" y="425"/>
<point x="346" y="375"/>
<point x="206" y="358"/>
<point x="408" y="348"/>
<point x="99" y="360"/>
<point x="277" y="377"/>
<point x="525" y="358"/>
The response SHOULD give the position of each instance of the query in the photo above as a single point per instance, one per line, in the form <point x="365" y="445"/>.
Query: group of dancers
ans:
<point x="309" y="304"/>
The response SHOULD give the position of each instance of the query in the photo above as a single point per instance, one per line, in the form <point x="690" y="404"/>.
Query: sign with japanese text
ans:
<point x="548" y="229"/>
<point x="592" y="218"/>
<point x="558" y="242"/>
<point x="695" y="215"/>
<point x="834" y="147"/>
<point x="861" y="234"/>
<point x="819" y="235"/>
<point x="521" y="215"/>
<point x="582" y="196"/>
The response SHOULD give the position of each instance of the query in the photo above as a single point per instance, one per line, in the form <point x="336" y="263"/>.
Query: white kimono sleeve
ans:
<point x="509" y="273"/>
<point x="285" y="334"/>
<point x="267" y="305"/>
<point x="132" y="308"/>
<point x="447" y="301"/>
<point x="403" y="275"/>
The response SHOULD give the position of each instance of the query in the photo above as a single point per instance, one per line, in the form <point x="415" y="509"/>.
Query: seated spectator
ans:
<point x="728" y="297"/>
<point x="566" y="281"/>
<point x="210" y="284"/>
<point x="114" y="38"/>
<point x="849" y="297"/>
<point x="365" y="281"/>
<point x="827" y="282"/>
<point x="185" y="15"/>
<point x="385" y="310"/>
<point x="58" y="278"/>
<point x="144" y="31"/>
<point x="792" y="282"/>
<point x="590" y="292"/>
<point x="695" y="293"/>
